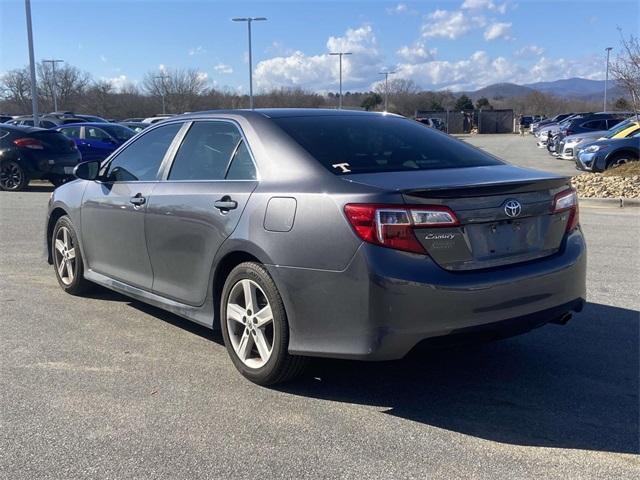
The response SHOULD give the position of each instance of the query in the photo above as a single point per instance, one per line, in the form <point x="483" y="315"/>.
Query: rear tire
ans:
<point x="13" y="177"/>
<point x="67" y="258"/>
<point x="256" y="331"/>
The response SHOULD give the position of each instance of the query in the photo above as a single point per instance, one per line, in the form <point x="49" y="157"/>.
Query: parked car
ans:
<point x="96" y="141"/>
<point x="82" y="117"/>
<point x="43" y="122"/>
<point x="436" y="123"/>
<point x="569" y="146"/>
<point x="309" y="232"/>
<point x="604" y="154"/>
<point x="28" y="153"/>
<point x="156" y="119"/>
<point x="591" y="123"/>
<point x="558" y="118"/>
<point x="550" y="130"/>
<point x="135" y="126"/>
<point x="5" y="118"/>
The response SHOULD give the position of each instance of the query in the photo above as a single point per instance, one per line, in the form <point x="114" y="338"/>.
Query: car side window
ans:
<point x="205" y="151"/>
<point x="242" y="167"/>
<point x="93" y="133"/>
<point x="141" y="160"/>
<point x="71" y="132"/>
<point x="47" y="124"/>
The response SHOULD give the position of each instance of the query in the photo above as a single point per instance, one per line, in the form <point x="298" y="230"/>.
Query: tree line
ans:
<point x="187" y="90"/>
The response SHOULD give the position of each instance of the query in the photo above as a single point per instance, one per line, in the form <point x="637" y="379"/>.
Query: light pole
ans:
<point x="161" y="78"/>
<point x="386" y="89"/>
<point x="606" y="78"/>
<point x="249" y="20"/>
<point x="32" y="65"/>
<point x="53" y="85"/>
<point x="340" y="54"/>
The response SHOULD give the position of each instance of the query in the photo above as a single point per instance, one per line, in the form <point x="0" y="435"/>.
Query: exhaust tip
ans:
<point x="563" y="319"/>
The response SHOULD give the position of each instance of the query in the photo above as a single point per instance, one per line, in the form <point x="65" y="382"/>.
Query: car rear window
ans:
<point x="378" y="143"/>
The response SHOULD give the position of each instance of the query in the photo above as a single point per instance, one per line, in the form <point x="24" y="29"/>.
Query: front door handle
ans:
<point x="225" y="204"/>
<point x="138" y="200"/>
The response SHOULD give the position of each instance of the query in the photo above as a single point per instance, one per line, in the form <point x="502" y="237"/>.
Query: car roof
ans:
<point x="21" y="128"/>
<point x="283" y="112"/>
<point x="87" y="124"/>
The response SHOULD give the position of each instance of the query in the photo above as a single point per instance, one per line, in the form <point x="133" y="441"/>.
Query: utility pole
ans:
<point x="162" y="92"/>
<point x="606" y="78"/>
<point x="386" y="88"/>
<point x="340" y="54"/>
<point x="32" y="65"/>
<point x="249" y="20"/>
<point x="53" y="85"/>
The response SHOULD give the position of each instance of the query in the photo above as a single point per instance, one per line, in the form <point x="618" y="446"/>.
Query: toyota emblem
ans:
<point x="512" y="208"/>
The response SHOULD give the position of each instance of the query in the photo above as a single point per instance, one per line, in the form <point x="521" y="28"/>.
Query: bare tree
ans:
<point x="69" y="84"/>
<point x="181" y="88"/>
<point x="626" y="68"/>
<point x="15" y="90"/>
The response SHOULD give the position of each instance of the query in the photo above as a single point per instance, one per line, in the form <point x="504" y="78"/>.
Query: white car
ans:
<point x="569" y="145"/>
<point x="156" y="119"/>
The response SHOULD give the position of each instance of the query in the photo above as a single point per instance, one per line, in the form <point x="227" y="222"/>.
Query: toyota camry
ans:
<point x="304" y="233"/>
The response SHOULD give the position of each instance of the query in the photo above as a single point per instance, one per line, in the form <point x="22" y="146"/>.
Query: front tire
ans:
<point x="255" y="328"/>
<point x="67" y="258"/>
<point x="13" y="177"/>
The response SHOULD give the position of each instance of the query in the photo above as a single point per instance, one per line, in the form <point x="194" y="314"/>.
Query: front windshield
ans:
<point x="618" y="128"/>
<point x="119" y="132"/>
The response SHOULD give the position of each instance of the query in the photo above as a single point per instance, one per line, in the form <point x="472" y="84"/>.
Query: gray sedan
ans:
<point x="327" y="233"/>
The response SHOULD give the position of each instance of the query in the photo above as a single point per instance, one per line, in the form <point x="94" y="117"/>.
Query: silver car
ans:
<point x="306" y="233"/>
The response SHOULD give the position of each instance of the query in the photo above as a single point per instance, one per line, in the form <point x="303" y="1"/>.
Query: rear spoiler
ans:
<point x="466" y="191"/>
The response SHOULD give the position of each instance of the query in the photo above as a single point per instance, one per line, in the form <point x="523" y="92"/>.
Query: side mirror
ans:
<point x="87" y="170"/>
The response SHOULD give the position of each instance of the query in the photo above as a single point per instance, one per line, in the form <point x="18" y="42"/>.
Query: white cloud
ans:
<point x="398" y="9"/>
<point x="223" y="69"/>
<point x="480" y="70"/>
<point x="119" y="82"/>
<point x="417" y="52"/>
<point x="103" y="59"/>
<point x="484" y="4"/>
<point x="498" y="30"/>
<point x="199" y="50"/>
<point x="321" y="71"/>
<point x="203" y="76"/>
<point x="450" y="24"/>
<point x="162" y="67"/>
<point x="529" y="51"/>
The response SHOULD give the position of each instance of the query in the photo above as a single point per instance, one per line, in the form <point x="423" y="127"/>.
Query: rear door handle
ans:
<point x="225" y="204"/>
<point x="138" y="199"/>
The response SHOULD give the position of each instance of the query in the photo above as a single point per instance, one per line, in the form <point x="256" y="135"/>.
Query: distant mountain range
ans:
<point x="578" y="88"/>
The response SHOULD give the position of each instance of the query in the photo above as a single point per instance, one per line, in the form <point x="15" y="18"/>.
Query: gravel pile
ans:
<point x="597" y="185"/>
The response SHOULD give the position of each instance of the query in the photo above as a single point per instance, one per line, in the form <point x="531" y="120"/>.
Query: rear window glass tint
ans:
<point x="370" y="144"/>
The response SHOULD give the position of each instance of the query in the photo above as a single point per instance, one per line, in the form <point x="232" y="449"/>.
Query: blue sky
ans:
<point x="462" y="44"/>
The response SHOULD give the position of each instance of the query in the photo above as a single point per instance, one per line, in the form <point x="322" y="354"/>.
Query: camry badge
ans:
<point x="512" y="208"/>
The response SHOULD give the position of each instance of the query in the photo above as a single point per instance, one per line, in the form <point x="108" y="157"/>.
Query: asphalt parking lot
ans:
<point x="106" y="387"/>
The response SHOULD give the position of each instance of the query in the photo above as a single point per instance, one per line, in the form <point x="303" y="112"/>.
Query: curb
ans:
<point x="610" y="202"/>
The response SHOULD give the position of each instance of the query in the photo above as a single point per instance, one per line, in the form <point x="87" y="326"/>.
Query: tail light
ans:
<point x="27" y="142"/>
<point x="392" y="225"/>
<point x="567" y="200"/>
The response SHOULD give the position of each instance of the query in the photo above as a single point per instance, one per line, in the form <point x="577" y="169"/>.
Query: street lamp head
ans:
<point x="248" y="19"/>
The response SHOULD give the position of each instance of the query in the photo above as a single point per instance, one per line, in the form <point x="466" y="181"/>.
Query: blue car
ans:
<point x="604" y="154"/>
<point x="96" y="140"/>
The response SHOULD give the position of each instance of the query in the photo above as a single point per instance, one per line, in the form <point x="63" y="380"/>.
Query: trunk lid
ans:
<point x="54" y="142"/>
<point x="505" y="213"/>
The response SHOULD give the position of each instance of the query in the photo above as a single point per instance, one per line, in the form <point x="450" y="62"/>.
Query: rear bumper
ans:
<point x="385" y="302"/>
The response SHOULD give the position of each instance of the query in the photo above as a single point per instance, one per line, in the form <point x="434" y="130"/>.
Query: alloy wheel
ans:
<point x="11" y="176"/>
<point x="250" y="323"/>
<point x="65" y="255"/>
